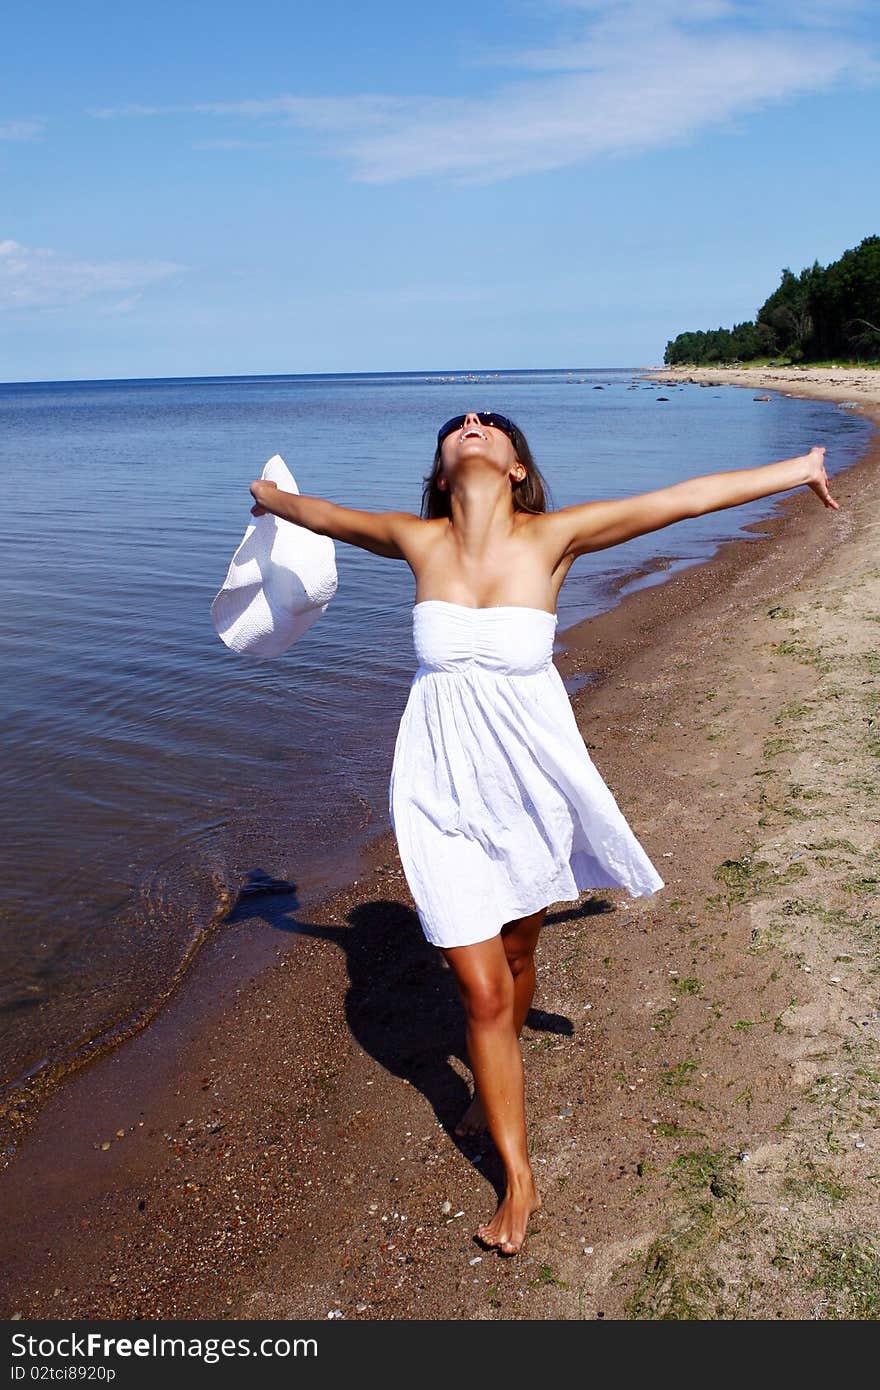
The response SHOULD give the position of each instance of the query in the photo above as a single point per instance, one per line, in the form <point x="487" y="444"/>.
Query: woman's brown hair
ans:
<point x="531" y="494"/>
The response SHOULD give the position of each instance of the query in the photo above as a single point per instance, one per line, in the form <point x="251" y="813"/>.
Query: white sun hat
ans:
<point x="280" y="580"/>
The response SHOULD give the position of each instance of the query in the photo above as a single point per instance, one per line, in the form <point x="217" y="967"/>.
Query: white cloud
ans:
<point x="325" y="113"/>
<point x="626" y="76"/>
<point x="20" y="130"/>
<point x="39" y="278"/>
<point x="123" y="306"/>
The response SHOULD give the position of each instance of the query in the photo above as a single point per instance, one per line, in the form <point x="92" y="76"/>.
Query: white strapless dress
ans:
<point x="497" y="807"/>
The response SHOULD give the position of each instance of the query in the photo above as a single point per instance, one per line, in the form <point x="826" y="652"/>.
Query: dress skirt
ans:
<point x="496" y="805"/>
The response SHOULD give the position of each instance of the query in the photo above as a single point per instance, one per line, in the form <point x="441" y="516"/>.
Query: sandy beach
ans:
<point x="701" y="1066"/>
<point x="860" y="385"/>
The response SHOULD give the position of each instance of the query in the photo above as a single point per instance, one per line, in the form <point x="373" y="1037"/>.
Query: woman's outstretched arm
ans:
<point x="384" y="533"/>
<point x="596" y="525"/>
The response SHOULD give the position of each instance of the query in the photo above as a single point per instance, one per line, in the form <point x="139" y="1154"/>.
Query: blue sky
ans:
<point x="210" y="189"/>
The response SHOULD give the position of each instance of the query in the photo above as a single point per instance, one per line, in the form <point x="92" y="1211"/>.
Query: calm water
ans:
<point x="150" y="774"/>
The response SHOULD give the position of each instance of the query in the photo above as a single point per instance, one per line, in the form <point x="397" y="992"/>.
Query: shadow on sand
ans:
<point x="402" y="1004"/>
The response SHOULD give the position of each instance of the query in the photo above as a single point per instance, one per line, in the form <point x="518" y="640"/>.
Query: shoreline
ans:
<point x="204" y="1053"/>
<point x="858" y="384"/>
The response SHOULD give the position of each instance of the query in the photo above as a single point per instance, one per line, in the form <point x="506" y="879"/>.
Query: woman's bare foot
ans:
<point x="507" y="1229"/>
<point x="473" y="1121"/>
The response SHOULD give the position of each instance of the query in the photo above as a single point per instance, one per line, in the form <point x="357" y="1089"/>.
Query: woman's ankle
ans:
<point x="520" y="1180"/>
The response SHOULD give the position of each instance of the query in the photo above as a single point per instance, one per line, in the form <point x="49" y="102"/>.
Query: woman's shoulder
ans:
<point x="548" y="532"/>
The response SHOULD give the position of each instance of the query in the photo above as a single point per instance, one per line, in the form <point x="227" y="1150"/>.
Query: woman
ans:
<point x="495" y="802"/>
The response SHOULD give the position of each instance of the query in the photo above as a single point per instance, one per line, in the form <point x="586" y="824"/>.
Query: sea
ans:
<point x="151" y="777"/>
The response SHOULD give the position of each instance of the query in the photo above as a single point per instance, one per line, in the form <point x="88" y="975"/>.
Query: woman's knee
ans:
<point x="488" y="999"/>
<point x="520" y="957"/>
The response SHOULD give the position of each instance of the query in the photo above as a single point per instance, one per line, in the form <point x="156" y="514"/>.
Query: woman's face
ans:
<point x="475" y="441"/>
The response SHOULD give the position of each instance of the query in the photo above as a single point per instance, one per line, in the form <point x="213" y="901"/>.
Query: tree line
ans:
<point x="825" y="312"/>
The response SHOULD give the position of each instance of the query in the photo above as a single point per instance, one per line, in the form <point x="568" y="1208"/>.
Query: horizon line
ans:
<point x="300" y="376"/>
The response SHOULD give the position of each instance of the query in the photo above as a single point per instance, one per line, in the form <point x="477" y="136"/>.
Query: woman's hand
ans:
<point x="259" y="510"/>
<point x="818" y="479"/>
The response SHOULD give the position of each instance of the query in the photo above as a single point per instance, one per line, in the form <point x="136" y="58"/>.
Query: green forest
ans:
<point x="826" y="313"/>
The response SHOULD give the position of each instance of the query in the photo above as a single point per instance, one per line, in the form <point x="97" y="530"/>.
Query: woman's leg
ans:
<point x="486" y="985"/>
<point x="519" y="938"/>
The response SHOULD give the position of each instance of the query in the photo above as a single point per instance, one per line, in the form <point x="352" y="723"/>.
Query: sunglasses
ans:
<point x="485" y="417"/>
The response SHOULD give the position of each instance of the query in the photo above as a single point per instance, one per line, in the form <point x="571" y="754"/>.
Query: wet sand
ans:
<point x="278" y="1142"/>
